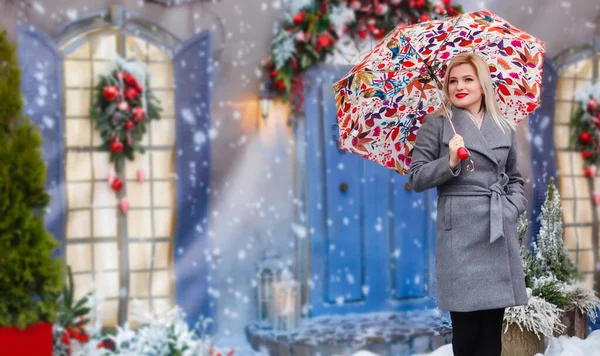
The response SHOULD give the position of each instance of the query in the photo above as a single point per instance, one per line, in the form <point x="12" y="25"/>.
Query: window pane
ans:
<point x="107" y="284"/>
<point x="106" y="256"/>
<point x="83" y="283"/>
<point x="140" y="162"/>
<point x="162" y="75"/>
<point x="104" y="196"/>
<point x="156" y="54"/>
<point x="78" y="166"/>
<point x="584" y="68"/>
<point x="577" y="211"/>
<point x="108" y="312"/>
<point x="136" y="48"/>
<point x="164" y="223"/>
<point x="562" y="136"/>
<point x="167" y="102"/>
<point x="164" y="194"/>
<point x="78" y="132"/>
<point x="82" y="52"/>
<point x="79" y="195"/>
<point x="163" y="164"/>
<point x="104" y="44"/>
<point x="564" y="89"/>
<point x="79" y="257"/>
<point x="161" y="283"/>
<point x="77" y="74"/>
<point x="77" y="102"/>
<point x="105" y="223"/>
<point x="138" y="194"/>
<point x="586" y="261"/>
<point x="138" y="223"/>
<point x="163" y="252"/>
<point x="101" y="165"/>
<point x="78" y="224"/>
<point x="562" y="112"/>
<point x="139" y="257"/>
<point x="138" y="284"/>
<point x="163" y="132"/>
<point x="101" y="68"/>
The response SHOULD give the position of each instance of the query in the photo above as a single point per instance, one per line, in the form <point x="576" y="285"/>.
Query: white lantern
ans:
<point x="286" y="303"/>
<point x="268" y="272"/>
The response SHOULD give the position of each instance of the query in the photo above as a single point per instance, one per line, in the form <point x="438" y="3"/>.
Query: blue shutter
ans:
<point x="192" y="104"/>
<point x="42" y="87"/>
<point x="543" y="158"/>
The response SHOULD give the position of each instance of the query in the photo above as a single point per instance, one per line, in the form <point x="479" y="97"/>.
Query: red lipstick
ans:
<point x="461" y="95"/>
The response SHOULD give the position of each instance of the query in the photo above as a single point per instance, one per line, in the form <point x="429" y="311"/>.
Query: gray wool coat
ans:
<point x="478" y="264"/>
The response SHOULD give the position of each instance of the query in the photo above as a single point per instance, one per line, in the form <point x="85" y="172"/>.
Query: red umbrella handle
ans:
<point x="463" y="153"/>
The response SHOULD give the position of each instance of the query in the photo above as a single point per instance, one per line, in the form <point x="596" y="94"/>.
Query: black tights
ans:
<point x="477" y="333"/>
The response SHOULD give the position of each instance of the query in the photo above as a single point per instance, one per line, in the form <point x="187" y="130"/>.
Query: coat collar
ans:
<point x="482" y="140"/>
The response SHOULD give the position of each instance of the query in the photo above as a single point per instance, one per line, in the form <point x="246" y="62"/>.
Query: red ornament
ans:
<point x="592" y="105"/>
<point x="323" y="41"/>
<point x="129" y="125"/>
<point x="420" y="4"/>
<point x="585" y="137"/>
<point x="116" y="185"/>
<point x="596" y="198"/>
<point x="299" y="18"/>
<point x="451" y="11"/>
<point x="425" y="18"/>
<point x="362" y="33"/>
<point x="590" y="171"/>
<point x="131" y="93"/>
<point x="294" y="63"/>
<point x="138" y="114"/>
<point x="111" y="92"/>
<point x="130" y="80"/>
<point x="586" y="154"/>
<point x="116" y="146"/>
<point x="446" y="2"/>
<point x="280" y="85"/>
<point x="273" y="73"/>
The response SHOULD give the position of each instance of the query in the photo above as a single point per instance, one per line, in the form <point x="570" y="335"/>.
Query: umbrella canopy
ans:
<point x="381" y="102"/>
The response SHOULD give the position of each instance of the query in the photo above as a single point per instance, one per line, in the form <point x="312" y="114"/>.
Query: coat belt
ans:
<point x="495" y="192"/>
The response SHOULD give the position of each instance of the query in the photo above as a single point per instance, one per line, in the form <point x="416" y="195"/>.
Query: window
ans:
<point x="121" y="257"/>
<point x="580" y="216"/>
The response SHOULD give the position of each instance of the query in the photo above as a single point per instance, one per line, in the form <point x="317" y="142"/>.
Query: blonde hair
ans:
<point x="485" y="80"/>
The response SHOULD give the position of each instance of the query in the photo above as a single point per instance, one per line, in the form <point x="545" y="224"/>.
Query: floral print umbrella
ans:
<point x="381" y="102"/>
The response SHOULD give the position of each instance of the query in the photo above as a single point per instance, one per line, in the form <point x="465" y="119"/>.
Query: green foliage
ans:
<point x="72" y="314"/>
<point x="10" y="78"/>
<point x="30" y="279"/>
<point x="552" y="293"/>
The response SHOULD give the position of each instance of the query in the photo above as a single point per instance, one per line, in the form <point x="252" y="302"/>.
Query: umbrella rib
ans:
<point x="458" y="18"/>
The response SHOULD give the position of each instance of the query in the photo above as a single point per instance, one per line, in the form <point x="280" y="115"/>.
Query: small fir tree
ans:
<point x="30" y="279"/>
<point x="552" y="257"/>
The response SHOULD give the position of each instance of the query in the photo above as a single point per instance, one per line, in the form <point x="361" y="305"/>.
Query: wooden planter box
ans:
<point x="35" y="340"/>
<point x="521" y="343"/>
<point x="576" y="323"/>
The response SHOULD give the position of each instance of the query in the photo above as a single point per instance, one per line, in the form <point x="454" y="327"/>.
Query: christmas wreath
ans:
<point x="122" y="109"/>
<point x="313" y="28"/>
<point x="585" y="129"/>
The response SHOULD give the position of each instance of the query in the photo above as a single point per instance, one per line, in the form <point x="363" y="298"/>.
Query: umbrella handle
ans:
<point x="463" y="153"/>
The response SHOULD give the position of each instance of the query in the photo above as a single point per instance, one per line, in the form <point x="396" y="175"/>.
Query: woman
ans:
<point x="478" y="266"/>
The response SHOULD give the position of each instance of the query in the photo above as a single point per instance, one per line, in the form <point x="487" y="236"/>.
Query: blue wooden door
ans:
<point x="371" y="237"/>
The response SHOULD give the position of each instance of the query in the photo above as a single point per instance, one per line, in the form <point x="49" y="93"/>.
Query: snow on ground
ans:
<point x="562" y="346"/>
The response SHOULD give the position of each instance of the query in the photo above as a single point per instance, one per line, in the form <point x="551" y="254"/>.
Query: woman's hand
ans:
<point x="454" y="144"/>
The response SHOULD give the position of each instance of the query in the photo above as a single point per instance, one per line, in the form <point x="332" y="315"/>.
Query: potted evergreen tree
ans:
<point x="559" y="301"/>
<point x="30" y="278"/>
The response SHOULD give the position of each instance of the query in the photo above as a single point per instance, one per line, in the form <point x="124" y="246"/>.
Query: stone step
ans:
<point x="386" y="334"/>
